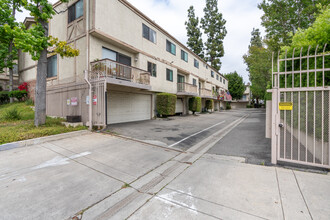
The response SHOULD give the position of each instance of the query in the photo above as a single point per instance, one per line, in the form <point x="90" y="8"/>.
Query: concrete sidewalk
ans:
<point x="221" y="187"/>
<point x="57" y="179"/>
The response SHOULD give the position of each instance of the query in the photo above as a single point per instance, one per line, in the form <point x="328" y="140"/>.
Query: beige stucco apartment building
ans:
<point x="125" y="60"/>
<point x="244" y="101"/>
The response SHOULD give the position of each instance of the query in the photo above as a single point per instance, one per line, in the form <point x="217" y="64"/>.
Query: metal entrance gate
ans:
<point x="300" y="134"/>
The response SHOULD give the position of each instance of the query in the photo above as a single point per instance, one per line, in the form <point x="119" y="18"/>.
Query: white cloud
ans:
<point x="241" y="17"/>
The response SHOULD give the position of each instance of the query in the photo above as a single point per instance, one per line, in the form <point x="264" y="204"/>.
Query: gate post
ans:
<point x="274" y="126"/>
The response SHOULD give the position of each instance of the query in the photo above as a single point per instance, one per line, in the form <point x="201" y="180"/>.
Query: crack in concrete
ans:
<point x="279" y="192"/>
<point x="302" y="195"/>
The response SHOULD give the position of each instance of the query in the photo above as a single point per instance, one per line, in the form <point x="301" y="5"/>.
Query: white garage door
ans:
<point x="179" y="106"/>
<point x="127" y="107"/>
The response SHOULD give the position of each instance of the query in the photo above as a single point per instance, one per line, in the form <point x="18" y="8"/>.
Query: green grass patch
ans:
<point x="22" y="128"/>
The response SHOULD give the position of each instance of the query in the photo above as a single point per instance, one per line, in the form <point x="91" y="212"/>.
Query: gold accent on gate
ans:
<point x="285" y="106"/>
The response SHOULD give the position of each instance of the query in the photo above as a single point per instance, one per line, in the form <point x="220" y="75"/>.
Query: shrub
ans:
<point x="248" y="106"/>
<point x="29" y="102"/>
<point x="12" y="114"/>
<point x="4" y="97"/>
<point x="209" y="104"/>
<point x="228" y="106"/>
<point x="195" y="104"/>
<point x="18" y="94"/>
<point x="165" y="104"/>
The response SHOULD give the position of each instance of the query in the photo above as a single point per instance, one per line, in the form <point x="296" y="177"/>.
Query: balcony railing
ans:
<point x="215" y="94"/>
<point x="109" y="68"/>
<point x="205" y="92"/>
<point x="187" y="88"/>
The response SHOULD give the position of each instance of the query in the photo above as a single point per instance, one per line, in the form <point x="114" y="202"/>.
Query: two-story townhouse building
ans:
<point x="125" y="60"/>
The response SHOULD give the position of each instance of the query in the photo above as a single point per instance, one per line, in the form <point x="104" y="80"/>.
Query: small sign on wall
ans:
<point x="74" y="101"/>
<point x="285" y="106"/>
<point x="68" y="102"/>
<point x="87" y="100"/>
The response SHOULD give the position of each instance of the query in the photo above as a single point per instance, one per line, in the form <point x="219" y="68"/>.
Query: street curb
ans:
<point x="41" y="140"/>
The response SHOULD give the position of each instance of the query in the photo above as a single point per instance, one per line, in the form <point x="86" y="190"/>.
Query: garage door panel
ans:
<point x="179" y="106"/>
<point x="128" y="107"/>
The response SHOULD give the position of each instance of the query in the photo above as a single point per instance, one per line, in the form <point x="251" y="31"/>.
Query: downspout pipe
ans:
<point x="87" y="66"/>
<point x="90" y="100"/>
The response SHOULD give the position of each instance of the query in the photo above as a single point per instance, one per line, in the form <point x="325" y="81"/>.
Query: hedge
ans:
<point x="228" y="106"/>
<point x="195" y="104"/>
<point x="209" y="104"/>
<point x="4" y="97"/>
<point x="165" y="104"/>
<point x="19" y="95"/>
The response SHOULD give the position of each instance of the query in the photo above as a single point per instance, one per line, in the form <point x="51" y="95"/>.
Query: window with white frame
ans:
<point x="152" y="69"/>
<point x="76" y="11"/>
<point x="52" y="66"/>
<point x="170" y="47"/>
<point x="169" y="75"/>
<point x="196" y="63"/>
<point x="184" y="55"/>
<point x="148" y="33"/>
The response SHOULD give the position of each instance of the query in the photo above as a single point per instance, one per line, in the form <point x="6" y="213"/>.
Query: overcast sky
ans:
<point x="241" y="16"/>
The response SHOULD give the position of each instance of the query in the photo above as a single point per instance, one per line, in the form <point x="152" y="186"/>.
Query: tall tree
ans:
<point x="195" y="42"/>
<point x="236" y="85"/>
<point x="282" y="18"/>
<point x="214" y="27"/>
<point x="258" y="61"/>
<point x="36" y="41"/>
<point x="8" y="51"/>
<point x="256" y="39"/>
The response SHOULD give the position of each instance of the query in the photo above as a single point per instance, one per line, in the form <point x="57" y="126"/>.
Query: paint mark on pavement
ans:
<point x="58" y="161"/>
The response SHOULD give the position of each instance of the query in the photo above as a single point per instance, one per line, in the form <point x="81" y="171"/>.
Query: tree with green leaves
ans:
<point x="282" y="19"/>
<point x="36" y="42"/>
<point x="318" y="34"/>
<point x="8" y="51"/>
<point x="258" y="61"/>
<point x="195" y="42"/>
<point x="256" y="39"/>
<point x="236" y="85"/>
<point x="214" y="27"/>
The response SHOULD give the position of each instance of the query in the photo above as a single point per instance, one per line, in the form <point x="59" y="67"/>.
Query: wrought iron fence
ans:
<point x="303" y="132"/>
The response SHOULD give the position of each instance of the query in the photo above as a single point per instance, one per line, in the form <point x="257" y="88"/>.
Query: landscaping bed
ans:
<point x="16" y="124"/>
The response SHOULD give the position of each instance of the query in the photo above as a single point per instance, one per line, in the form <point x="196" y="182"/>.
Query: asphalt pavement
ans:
<point x="247" y="140"/>
<point x="181" y="132"/>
